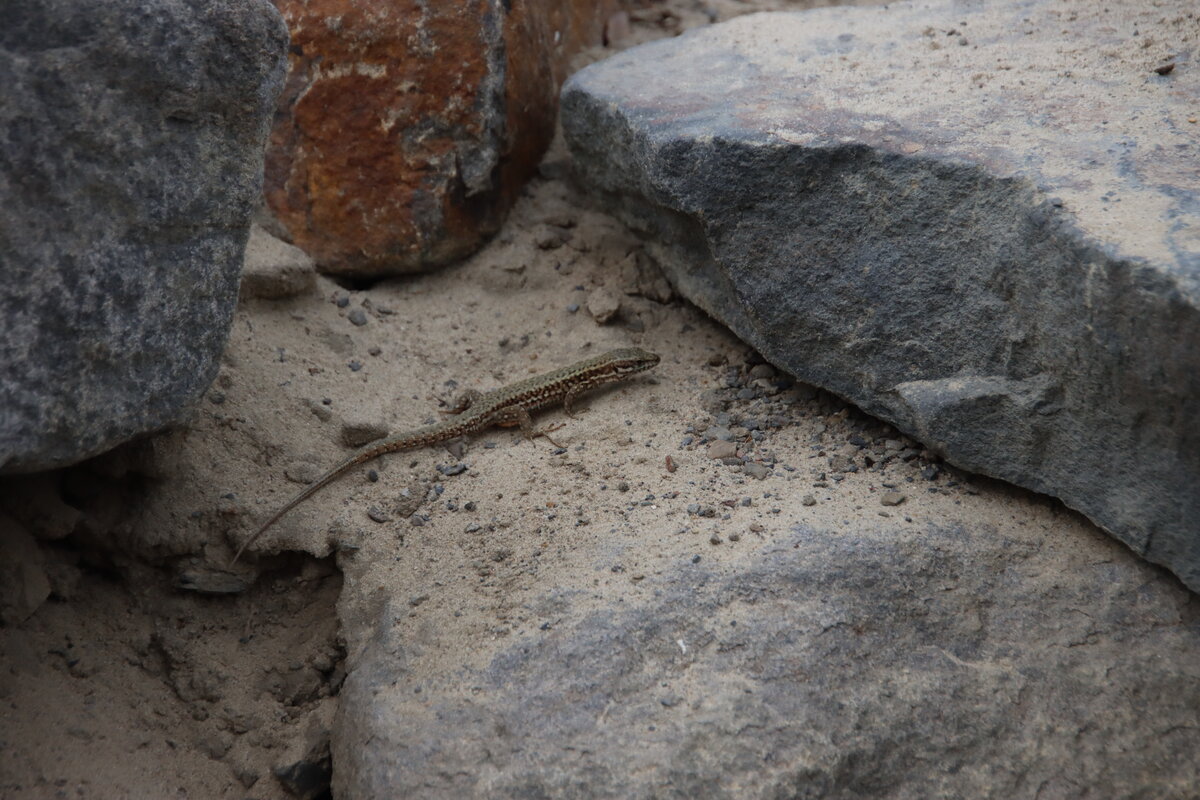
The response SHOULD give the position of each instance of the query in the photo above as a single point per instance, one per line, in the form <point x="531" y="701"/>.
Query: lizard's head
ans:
<point x="630" y="360"/>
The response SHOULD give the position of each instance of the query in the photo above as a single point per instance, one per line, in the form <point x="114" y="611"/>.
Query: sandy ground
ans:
<point x="147" y="674"/>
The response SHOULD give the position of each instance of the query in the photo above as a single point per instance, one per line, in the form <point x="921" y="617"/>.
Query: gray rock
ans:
<point x="995" y="247"/>
<point x="24" y="585"/>
<point x="938" y="663"/>
<point x="274" y="269"/>
<point x="133" y="135"/>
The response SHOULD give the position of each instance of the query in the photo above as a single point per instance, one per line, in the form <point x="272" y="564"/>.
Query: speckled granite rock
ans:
<point x="980" y="223"/>
<point x="895" y="663"/>
<point x="133" y="135"/>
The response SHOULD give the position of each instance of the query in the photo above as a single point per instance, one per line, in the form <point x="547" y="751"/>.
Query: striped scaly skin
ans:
<point x="475" y="411"/>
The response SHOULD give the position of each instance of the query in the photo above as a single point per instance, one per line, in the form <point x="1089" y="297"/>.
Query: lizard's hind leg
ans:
<point x="517" y="415"/>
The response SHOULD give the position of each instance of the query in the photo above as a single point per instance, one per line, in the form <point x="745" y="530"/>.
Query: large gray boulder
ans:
<point x="931" y="662"/>
<point x="132" y="136"/>
<point x="980" y="223"/>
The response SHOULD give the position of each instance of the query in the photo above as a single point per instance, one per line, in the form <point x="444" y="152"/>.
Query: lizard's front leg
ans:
<point x="464" y="401"/>
<point x="517" y="415"/>
<point x="568" y="400"/>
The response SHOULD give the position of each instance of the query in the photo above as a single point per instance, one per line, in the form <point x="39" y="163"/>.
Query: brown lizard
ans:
<point x="474" y="411"/>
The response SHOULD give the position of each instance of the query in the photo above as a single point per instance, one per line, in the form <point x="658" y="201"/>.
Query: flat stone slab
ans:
<point x="898" y="663"/>
<point x="981" y="224"/>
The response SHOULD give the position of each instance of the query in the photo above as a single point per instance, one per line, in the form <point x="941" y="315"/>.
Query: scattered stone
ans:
<point x="309" y="777"/>
<point x="550" y="238"/>
<point x="722" y="449"/>
<point x="718" y="432"/>
<point x="759" y="471"/>
<point x="841" y="463"/>
<point x="808" y="500"/>
<point x="603" y="304"/>
<point x="762" y="371"/>
<point x="377" y="514"/>
<point x="23" y="582"/>
<point x="891" y="498"/>
<point x="273" y="269"/>
<point x="357" y="317"/>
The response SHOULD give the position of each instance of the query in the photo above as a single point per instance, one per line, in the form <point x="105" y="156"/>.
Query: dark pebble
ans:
<point x="358" y="317"/>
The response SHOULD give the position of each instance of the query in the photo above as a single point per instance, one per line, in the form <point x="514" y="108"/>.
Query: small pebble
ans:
<point x="891" y="498"/>
<point x="603" y="304"/>
<point x="358" y="317"/>
<point x="714" y="539"/>
<point x="452" y="469"/>
<point x="377" y="514"/>
<point x="722" y="449"/>
<point x="762" y="371"/>
<point x="808" y="500"/>
<point x="759" y="471"/>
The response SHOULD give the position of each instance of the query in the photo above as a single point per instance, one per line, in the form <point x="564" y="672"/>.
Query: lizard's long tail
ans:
<point x="314" y="487"/>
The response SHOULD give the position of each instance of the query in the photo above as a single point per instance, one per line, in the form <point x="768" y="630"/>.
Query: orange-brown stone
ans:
<point x="407" y="128"/>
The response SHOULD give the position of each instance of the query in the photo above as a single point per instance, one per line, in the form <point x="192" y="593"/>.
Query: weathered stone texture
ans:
<point x="967" y="223"/>
<point x="132" y="137"/>
<point x="407" y="129"/>
<point x="896" y="663"/>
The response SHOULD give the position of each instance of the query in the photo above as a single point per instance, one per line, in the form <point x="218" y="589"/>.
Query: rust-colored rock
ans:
<point x="407" y="128"/>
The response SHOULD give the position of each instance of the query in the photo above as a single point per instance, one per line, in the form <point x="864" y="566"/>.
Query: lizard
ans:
<point x="474" y="411"/>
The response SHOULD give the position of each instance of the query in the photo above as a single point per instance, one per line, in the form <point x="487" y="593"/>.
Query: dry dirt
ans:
<point x="150" y="673"/>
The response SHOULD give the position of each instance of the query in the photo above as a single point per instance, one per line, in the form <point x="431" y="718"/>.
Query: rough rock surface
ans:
<point x="406" y="130"/>
<point x="274" y="269"/>
<point x="890" y="663"/>
<point x="979" y="223"/>
<point x="133" y="136"/>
